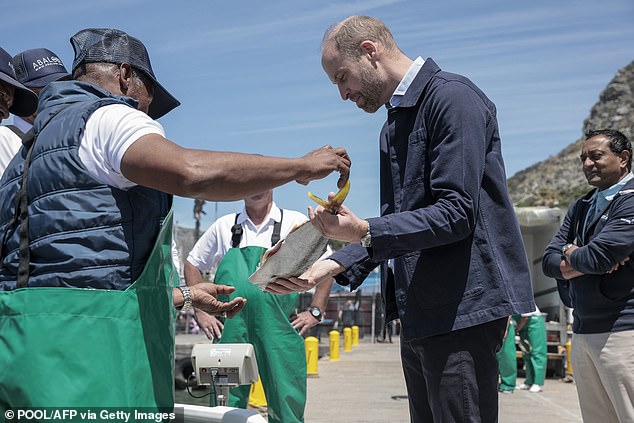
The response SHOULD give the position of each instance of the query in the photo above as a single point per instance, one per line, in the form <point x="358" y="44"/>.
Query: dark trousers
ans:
<point x="453" y="378"/>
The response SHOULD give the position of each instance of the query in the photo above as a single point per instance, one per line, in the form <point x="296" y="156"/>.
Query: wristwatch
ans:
<point x="316" y="313"/>
<point x="187" y="297"/>
<point x="366" y="240"/>
<point x="564" y="249"/>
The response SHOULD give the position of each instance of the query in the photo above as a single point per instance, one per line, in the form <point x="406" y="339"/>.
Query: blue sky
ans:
<point x="249" y="78"/>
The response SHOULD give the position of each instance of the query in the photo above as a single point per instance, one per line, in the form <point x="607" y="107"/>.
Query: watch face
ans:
<point x="315" y="312"/>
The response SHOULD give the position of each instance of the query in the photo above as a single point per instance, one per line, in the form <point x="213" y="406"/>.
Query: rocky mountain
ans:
<point x="557" y="181"/>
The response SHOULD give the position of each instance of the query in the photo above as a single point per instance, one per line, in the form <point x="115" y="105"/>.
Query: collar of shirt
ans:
<point x="405" y="82"/>
<point x="21" y="124"/>
<point x="275" y="215"/>
<point x="602" y="198"/>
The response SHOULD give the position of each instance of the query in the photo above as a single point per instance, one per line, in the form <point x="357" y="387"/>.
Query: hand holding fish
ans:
<point x="319" y="272"/>
<point x="335" y="221"/>
<point x="343" y="226"/>
<point x="301" y="247"/>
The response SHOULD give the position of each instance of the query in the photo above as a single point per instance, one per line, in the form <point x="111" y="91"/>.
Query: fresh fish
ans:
<point x="298" y="251"/>
<point x="290" y="256"/>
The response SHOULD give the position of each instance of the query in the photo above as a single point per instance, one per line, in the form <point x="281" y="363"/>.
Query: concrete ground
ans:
<point x="366" y="385"/>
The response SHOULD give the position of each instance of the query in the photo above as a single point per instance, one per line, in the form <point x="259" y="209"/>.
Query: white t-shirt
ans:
<point x="110" y="131"/>
<point x="10" y="144"/>
<point x="216" y="241"/>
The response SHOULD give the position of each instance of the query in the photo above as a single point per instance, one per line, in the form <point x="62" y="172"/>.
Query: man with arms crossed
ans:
<point x="591" y="258"/>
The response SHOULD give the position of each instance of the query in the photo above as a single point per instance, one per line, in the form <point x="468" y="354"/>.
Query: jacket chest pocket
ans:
<point x="415" y="169"/>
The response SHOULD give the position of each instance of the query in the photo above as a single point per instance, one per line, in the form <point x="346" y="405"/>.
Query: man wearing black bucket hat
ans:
<point x="14" y="98"/>
<point x="34" y="69"/>
<point x="86" y="267"/>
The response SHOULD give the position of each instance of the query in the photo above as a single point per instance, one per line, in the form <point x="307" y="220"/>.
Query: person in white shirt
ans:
<point x="231" y="249"/>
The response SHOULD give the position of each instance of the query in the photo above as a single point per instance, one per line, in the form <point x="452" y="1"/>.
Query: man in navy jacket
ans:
<point x="459" y="265"/>
<point x="591" y="258"/>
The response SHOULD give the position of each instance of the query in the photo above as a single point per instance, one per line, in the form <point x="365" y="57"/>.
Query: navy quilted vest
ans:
<point x="82" y="233"/>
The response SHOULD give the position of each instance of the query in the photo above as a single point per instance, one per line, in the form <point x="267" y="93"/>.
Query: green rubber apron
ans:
<point x="264" y="322"/>
<point x="75" y="348"/>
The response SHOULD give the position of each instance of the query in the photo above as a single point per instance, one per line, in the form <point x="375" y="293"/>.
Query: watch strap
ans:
<point x="187" y="297"/>
<point x="366" y="240"/>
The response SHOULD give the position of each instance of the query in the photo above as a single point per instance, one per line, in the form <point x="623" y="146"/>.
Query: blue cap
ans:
<point x="37" y="67"/>
<point x="24" y="100"/>
<point x="104" y="45"/>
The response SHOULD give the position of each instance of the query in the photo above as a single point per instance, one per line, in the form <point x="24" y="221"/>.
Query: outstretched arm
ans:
<point x="155" y="162"/>
<point x="204" y="297"/>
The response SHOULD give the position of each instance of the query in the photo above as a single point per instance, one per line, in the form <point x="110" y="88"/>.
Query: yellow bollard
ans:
<point x="568" y="360"/>
<point x="355" y="336"/>
<point x="312" y="356"/>
<point x="347" y="339"/>
<point x="257" y="398"/>
<point x="334" y="345"/>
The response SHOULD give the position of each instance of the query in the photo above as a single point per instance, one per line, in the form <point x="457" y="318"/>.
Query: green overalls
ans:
<point x="264" y="322"/>
<point x="72" y="348"/>
<point x="536" y="355"/>
<point x="507" y="360"/>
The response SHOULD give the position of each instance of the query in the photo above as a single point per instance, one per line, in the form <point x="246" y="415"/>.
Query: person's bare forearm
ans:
<point x="222" y="176"/>
<point x="193" y="276"/>
<point x="322" y="293"/>
<point x="155" y="162"/>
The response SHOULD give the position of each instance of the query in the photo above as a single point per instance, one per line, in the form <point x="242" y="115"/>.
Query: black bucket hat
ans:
<point x="104" y="45"/>
<point x="37" y="67"/>
<point x="24" y="100"/>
